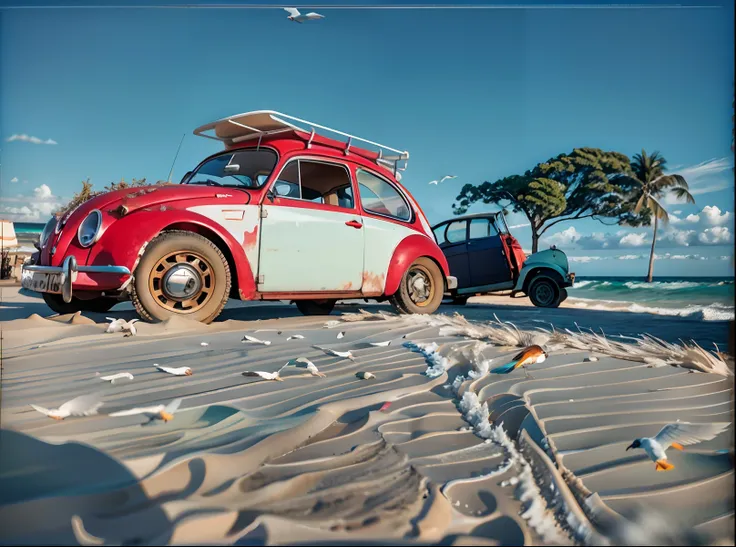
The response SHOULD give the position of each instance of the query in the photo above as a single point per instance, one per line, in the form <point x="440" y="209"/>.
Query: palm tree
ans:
<point x="650" y="183"/>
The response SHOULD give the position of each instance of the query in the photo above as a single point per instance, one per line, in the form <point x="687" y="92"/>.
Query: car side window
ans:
<point x="378" y="196"/>
<point x="318" y="182"/>
<point x="456" y="231"/>
<point x="482" y="227"/>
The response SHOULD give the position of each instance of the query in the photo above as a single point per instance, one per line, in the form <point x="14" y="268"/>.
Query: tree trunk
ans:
<point x="535" y="241"/>
<point x="651" y="254"/>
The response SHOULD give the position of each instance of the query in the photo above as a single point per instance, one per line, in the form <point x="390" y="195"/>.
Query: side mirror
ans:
<point x="232" y="168"/>
<point x="270" y="195"/>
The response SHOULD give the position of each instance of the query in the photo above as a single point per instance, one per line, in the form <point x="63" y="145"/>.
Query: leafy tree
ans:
<point x="87" y="192"/>
<point x="648" y="183"/>
<point x="567" y="187"/>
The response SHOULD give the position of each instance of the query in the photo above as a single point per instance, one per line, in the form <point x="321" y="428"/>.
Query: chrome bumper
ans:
<point x="451" y="282"/>
<point x="68" y="270"/>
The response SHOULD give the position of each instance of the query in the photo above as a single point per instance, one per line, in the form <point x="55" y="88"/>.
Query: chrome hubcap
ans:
<point x="182" y="282"/>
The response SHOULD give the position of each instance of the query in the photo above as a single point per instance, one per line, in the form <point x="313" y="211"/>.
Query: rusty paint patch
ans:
<point x="372" y="282"/>
<point x="250" y="239"/>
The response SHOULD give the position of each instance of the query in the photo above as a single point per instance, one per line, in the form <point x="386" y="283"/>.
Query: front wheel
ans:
<point x="421" y="289"/>
<point x="96" y="305"/>
<point x="316" y="307"/>
<point x="181" y="274"/>
<point x="544" y="293"/>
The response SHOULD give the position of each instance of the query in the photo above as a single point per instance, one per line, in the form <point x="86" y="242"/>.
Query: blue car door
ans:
<point x="488" y="263"/>
<point x="453" y="240"/>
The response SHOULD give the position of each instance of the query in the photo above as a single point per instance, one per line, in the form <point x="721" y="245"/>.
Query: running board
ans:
<point x="506" y="285"/>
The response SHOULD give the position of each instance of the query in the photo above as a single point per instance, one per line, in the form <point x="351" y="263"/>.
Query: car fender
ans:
<point x="533" y="270"/>
<point x="126" y="239"/>
<point x="407" y="251"/>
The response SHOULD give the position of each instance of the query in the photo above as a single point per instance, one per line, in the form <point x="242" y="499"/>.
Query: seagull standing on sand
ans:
<point x="161" y="412"/>
<point x="84" y="405"/>
<point x="528" y="356"/>
<point x="675" y="436"/>
<point x="436" y="182"/>
<point x="297" y="17"/>
<point x="176" y="371"/>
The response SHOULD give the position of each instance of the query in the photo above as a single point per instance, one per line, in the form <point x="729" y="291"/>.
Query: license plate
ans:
<point x="42" y="281"/>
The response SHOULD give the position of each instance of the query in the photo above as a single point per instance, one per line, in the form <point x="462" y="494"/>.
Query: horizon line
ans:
<point x="376" y="7"/>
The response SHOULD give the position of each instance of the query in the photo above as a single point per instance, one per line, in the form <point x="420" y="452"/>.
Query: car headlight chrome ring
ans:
<point x="89" y="229"/>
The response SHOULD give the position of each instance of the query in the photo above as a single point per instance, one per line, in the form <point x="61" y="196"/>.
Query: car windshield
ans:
<point x="243" y="169"/>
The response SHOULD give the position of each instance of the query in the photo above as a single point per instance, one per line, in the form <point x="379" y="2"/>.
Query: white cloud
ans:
<point x="36" y="208"/>
<point x="634" y="239"/>
<point x="692" y="219"/>
<point x="584" y="259"/>
<point x="519" y="226"/>
<point x="32" y="140"/>
<point x="704" y="178"/>
<point x="718" y="235"/>
<point x="630" y="257"/>
<point x="565" y="237"/>
<point x="713" y="217"/>
<point x="14" y="179"/>
<point x="677" y="213"/>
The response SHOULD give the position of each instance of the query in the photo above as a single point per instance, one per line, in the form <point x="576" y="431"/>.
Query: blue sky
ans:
<point x="480" y="94"/>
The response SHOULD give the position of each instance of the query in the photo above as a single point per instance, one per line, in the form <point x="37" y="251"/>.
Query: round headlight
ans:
<point x="47" y="231"/>
<point x="89" y="230"/>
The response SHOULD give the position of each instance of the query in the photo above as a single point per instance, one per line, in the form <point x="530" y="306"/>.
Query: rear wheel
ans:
<point x="181" y="274"/>
<point x="421" y="289"/>
<point x="316" y="307"/>
<point x="96" y="305"/>
<point x="544" y="293"/>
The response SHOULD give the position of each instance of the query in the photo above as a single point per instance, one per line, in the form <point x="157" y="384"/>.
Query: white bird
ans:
<point x="311" y="367"/>
<point x="295" y="337"/>
<point x="443" y="179"/>
<point x="129" y="327"/>
<point x="343" y="354"/>
<point x="364" y="375"/>
<point x="381" y="344"/>
<point x="294" y="15"/>
<point x="176" y="371"/>
<point x="254" y="340"/>
<point x="204" y="344"/>
<point x="276" y="376"/>
<point x="676" y="436"/>
<point x="341" y="334"/>
<point x="163" y="412"/>
<point x="117" y="376"/>
<point x="84" y="405"/>
<point x="116" y="325"/>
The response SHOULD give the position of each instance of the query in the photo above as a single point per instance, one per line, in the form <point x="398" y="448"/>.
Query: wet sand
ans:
<point x="448" y="455"/>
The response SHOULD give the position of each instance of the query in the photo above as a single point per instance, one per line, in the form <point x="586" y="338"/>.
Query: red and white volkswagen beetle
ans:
<point x="282" y="214"/>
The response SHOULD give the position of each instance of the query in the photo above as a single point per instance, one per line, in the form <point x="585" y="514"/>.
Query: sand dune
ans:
<point x="456" y="456"/>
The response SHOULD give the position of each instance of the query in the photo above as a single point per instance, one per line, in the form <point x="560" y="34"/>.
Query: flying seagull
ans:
<point x="294" y="15"/>
<point x="295" y="337"/>
<point x="676" y="436"/>
<point x="276" y="376"/>
<point x="528" y="356"/>
<point x="129" y="327"/>
<point x="435" y="182"/>
<point x="84" y="405"/>
<point x="381" y="344"/>
<point x="116" y="325"/>
<point x="343" y="354"/>
<point x="162" y="412"/>
<point x="311" y="367"/>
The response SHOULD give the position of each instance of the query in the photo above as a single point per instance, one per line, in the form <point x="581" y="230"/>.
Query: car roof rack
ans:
<point x="260" y="123"/>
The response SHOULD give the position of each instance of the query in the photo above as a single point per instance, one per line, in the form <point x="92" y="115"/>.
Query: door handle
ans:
<point x="354" y="224"/>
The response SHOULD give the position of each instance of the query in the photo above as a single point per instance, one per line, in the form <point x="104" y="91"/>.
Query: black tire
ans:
<point x="544" y="292"/>
<point x="563" y="296"/>
<point x="316" y="307"/>
<point x="459" y="300"/>
<point x="96" y="305"/>
<point x="204" y="270"/>
<point x="407" y="300"/>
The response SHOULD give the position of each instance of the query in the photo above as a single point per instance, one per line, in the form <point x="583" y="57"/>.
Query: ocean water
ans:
<point x="33" y="228"/>
<point x="705" y="298"/>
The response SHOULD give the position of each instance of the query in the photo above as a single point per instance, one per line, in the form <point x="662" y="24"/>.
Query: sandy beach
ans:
<point x="432" y="450"/>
